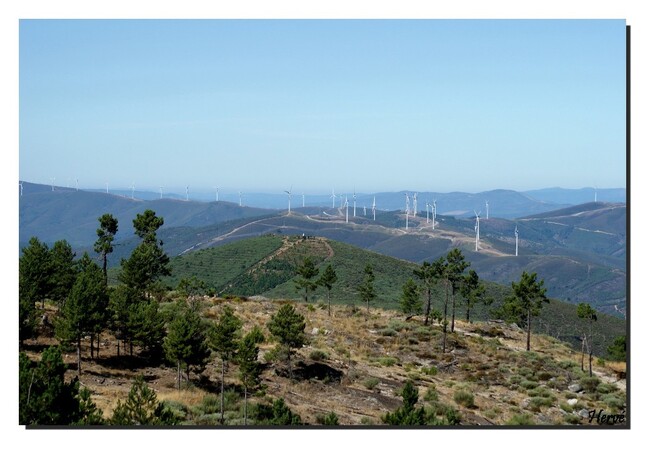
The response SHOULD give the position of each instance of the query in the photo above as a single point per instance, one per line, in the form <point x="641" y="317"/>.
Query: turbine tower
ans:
<point x="354" y="203"/>
<point x="52" y="179"/>
<point x="161" y="192"/>
<point x="216" y="194"/>
<point x="187" y="193"/>
<point x="333" y="198"/>
<point x="77" y="184"/>
<point x="434" y="210"/>
<point x="516" y="241"/>
<point x="415" y="204"/>
<point x="427" y="207"/>
<point x="487" y="210"/>
<point x="477" y="228"/>
<point x="288" y="192"/>
<point x="407" y="211"/>
<point x="303" y="199"/>
<point x="595" y="195"/>
<point x="132" y="189"/>
<point x="364" y="210"/>
<point x="240" y="199"/>
<point x="106" y="187"/>
<point x="373" y="208"/>
<point x="346" y="209"/>
<point x="21" y="188"/>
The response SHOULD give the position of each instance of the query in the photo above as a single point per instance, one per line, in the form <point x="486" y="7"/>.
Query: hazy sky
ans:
<point x="381" y="105"/>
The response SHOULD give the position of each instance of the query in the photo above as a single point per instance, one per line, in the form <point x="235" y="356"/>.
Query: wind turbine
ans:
<point x="477" y="228"/>
<point x="216" y="194"/>
<point x="303" y="199"/>
<point x="52" y="179"/>
<point x="595" y="194"/>
<point x="132" y="189"/>
<point x="407" y="211"/>
<point x="427" y="207"/>
<point x="21" y="188"/>
<point x="364" y="210"/>
<point x="487" y="210"/>
<point x="346" y="209"/>
<point x="106" y="187"/>
<point x="516" y="241"/>
<point x="187" y="193"/>
<point x="373" y="208"/>
<point x="354" y="202"/>
<point x="161" y="192"/>
<point x="333" y="198"/>
<point x="415" y="204"/>
<point x="77" y="184"/>
<point x="240" y="199"/>
<point x="434" y="210"/>
<point x="288" y="192"/>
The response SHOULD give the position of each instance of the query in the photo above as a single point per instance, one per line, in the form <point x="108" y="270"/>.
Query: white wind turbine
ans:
<point x="415" y="204"/>
<point x="373" y="208"/>
<point x="427" y="207"/>
<point x="516" y="240"/>
<point x="107" y="187"/>
<point x="364" y="210"/>
<point x="288" y="192"/>
<point x="161" y="187"/>
<point x="595" y="195"/>
<point x="187" y="193"/>
<point x="434" y="211"/>
<point x="408" y="203"/>
<point x="52" y="179"/>
<point x="132" y="189"/>
<point x="77" y="184"/>
<point x="303" y="199"/>
<point x="346" y="209"/>
<point x="477" y="228"/>
<point x="354" y="203"/>
<point x="333" y="198"/>
<point x="21" y="188"/>
<point x="216" y="194"/>
<point x="240" y="199"/>
<point x="487" y="210"/>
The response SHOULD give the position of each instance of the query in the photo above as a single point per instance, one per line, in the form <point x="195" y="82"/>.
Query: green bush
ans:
<point x="589" y="383"/>
<point x="386" y="361"/>
<point x="330" y="419"/>
<point x="538" y="402"/>
<point x="521" y="420"/>
<point x="387" y="332"/>
<point x="211" y="403"/>
<point x="529" y="384"/>
<point x="431" y="370"/>
<point x="431" y="395"/>
<point x="570" y="418"/>
<point x="614" y="402"/>
<point x="318" y="355"/>
<point x="464" y="397"/>
<point x="370" y="383"/>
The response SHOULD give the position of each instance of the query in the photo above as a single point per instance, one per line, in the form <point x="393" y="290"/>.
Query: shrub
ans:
<point x="386" y="361"/>
<point x="367" y="421"/>
<point x="614" y="402"/>
<point x="538" y="402"/>
<point x="521" y="420"/>
<point x="464" y="397"/>
<point x="431" y="370"/>
<point x="589" y="383"/>
<point x="604" y="388"/>
<point x="318" y="355"/>
<point x="570" y="418"/>
<point x="529" y="384"/>
<point x="431" y="395"/>
<point x="370" y="383"/>
<point x="211" y="403"/>
<point x="331" y="419"/>
<point x="387" y="332"/>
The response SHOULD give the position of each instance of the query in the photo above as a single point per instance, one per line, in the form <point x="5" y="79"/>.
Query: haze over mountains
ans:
<point x="579" y="250"/>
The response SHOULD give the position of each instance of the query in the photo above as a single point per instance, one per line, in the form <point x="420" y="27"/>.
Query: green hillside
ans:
<point x="266" y="266"/>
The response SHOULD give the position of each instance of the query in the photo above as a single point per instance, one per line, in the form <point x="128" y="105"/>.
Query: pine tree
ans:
<point x="586" y="312"/>
<point x="456" y="265"/>
<point x="367" y="289"/>
<point x="186" y="341"/>
<point x="307" y="272"/>
<point x="225" y="341"/>
<point x="288" y="326"/>
<point x="64" y="271"/>
<point x="142" y="408"/>
<point x="473" y="291"/>
<point x="407" y="414"/>
<point x="327" y="280"/>
<point x="84" y="311"/>
<point x="35" y="269"/>
<point x="527" y="298"/>
<point x="428" y="274"/>
<point x="249" y="367"/>
<point x="410" y="303"/>
<point x="105" y="236"/>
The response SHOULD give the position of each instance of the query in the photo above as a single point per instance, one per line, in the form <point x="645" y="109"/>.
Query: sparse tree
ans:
<point x="407" y="414"/>
<point x="64" y="271"/>
<point x="146" y="327"/>
<point x="105" y="236"/>
<point x="249" y="367"/>
<point x="84" y="311"/>
<point x="528" y="297"/>
<point x="410" y="303"/>
<point x="428" y="274"/>
<point x="225" y="341"/>
<point x="288" y="326"/>
<point x="191" y="287"/>
<point x="367" y="288"/>
<point x="456" y="265"/>
<point x="307" y="272"/>
<point x="586" y="312"/>
<point x="327" y="280"/>
<point x="617" y="351"/>
<point x="473" y="291"/>
<point x="35" y="269"/>
<point x="186" y="340"/>
<point x="142" y="408"/>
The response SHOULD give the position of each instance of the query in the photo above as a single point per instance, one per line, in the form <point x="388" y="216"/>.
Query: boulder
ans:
<point x="573" y="401"/>
<point x="584" y="413"/>
<point x="575" y="388"/>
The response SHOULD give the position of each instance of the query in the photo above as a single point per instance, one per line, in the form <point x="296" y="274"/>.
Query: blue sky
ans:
<point x="262" y="105"/>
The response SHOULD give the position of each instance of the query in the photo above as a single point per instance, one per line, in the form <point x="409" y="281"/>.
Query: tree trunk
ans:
<point x="528" y="332"/>
<point x="329" y="304"/>
<point x="131" y="348"/>
<point x="105" y="271"/>
<point x="444" y="322"/>
<point x="591" y="354"/>
<point x="453" y="309"/>
<point x="92" y="346"/>
<point x="467" y="311"/>
<point x="428" y="309"/>
<point x="289" y="360"/>
<point x="582" y="360"/>
<point x="98" y="337"/>
<point x="223" y="376"/>
<point x="79" y="356"/>
<point x="178" y="374"/>
<point x="245" y="405"/>
<point x="118" y="347"/>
